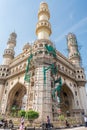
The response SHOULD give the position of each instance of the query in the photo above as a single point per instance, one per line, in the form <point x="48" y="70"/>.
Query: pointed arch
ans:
<point x="67" y="99"/>
<point x="15" y="96"/>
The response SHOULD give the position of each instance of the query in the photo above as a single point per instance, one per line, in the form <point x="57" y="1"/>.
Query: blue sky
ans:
<point x="66" y="16"/>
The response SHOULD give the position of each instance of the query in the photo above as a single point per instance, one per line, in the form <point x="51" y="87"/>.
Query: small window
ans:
<point x="46" y="52"/>
<point x="74" y="85"/>
<point x="4" y="69"/>
<point x="41" y="45"/>
<point x="7" y="70"/>
<point x="40" y="52"/>
<point x="35" y="54"/>
<point x="33" y="73"/>
<point x="77" y="103"/>
<point x="41" y="23"/>
<point x="78" y="76"/>
<point x="3" y="74"/>
<point x="32" y="83"/>
<point x="5" y="91"/>
<point x="52" y="85"/>
<point x="45" y="23"/>
<point x="76" y="93"/>
<point x="82" y="76"/>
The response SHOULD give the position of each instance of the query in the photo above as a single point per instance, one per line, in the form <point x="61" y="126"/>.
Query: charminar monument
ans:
<point x="41" y="78"/>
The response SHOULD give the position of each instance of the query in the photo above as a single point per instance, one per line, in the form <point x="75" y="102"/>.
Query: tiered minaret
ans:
<point x="74" y="54"/>
<point x="9" y="52"/>
<point x="43" y="28"/>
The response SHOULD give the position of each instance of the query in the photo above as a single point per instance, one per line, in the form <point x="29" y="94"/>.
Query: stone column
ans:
<point x="27" y="93"/>
<point x="83" y="98"/>
<point x="43" y="101"/>
<point x="1" y="92"/>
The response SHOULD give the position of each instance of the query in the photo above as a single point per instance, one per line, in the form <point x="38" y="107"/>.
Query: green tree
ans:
<point x="31" y="116"/>
<point x="22" y="113"/>
<point x="14" y="110"/>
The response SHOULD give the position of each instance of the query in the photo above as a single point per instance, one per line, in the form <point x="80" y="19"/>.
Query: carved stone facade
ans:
<point x="35" y="94"/>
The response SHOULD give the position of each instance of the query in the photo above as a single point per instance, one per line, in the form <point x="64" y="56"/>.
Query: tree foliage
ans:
<point x="31" y="115"/>
<point x="21" y="113"/>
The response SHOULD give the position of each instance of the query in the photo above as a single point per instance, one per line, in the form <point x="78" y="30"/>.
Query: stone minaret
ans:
<point x="75" y="58"/>
<point x="74" y="54"/>
<point x="43" y="28"/>
<point x="4" y="68"/>
<point x="42" y="99"/>
<point x="9" y="51"/>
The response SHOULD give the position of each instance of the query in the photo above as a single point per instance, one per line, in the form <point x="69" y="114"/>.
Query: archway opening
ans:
<point x="16" y="98"/>
<point x="65" y="104"/>
<point x="66" y="100"/>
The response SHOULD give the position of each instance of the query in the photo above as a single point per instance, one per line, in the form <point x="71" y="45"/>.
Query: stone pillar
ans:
<point x="43" y="101"/>
<point x="1" y="90"/>
<point x="83" y="98"/>
<point x="27" y="93"/>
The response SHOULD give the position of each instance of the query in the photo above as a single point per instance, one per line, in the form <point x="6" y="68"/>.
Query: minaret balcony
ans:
<point x="74" y="54"/>
<point x="43" y="11"/>
<point x="43" y="25"/>
<point x="4" y="71"/>
<point x="9" y="52"/>
<point x="12" y="41"/>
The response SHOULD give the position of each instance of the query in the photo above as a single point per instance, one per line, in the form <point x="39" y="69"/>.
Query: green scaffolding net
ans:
<point x="53" y="68"/>
<point x="57" y="88"/>
<point x="54" y="71"/>
<point x="27" y="75"/>
<point x="51" y="50"/>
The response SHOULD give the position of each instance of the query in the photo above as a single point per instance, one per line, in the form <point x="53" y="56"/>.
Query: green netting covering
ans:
<point x="51" y="50"/>
<point x="59" y="80"/>
<point x="29" y="59"/>
<point x="53" y="68"/>
<point x="44" y="71"/>
<point x="57" y="89"/>
<point x="27" y="75"/>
